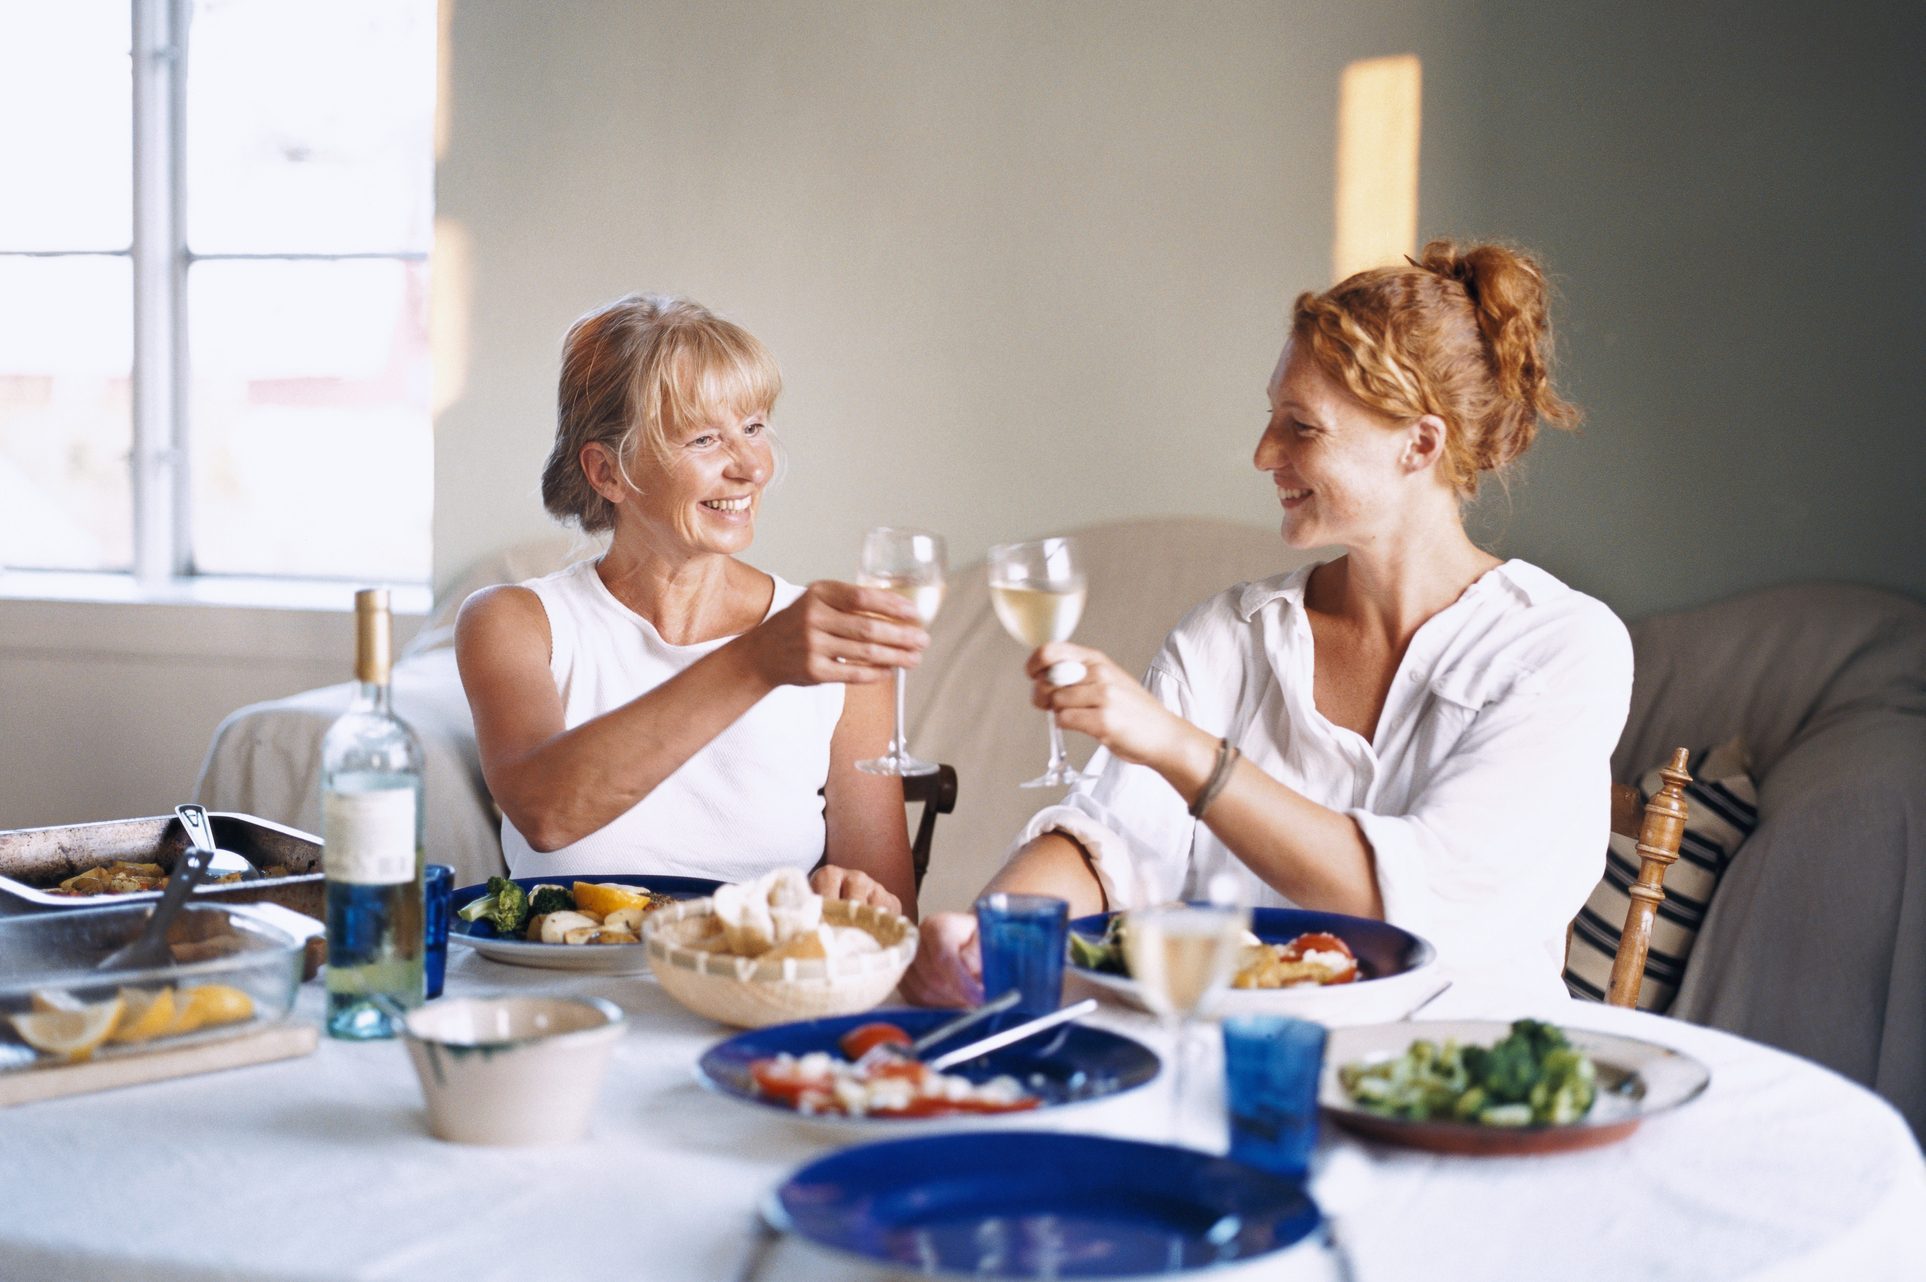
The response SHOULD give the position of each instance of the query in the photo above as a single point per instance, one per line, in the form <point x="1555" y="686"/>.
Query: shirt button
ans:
<point x="1417" y="676"/>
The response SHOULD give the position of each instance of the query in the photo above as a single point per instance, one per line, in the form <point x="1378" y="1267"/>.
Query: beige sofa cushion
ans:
<point x="969" y="702"/>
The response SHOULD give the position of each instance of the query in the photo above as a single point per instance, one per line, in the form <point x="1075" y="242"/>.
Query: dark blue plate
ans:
<point x="1382" y="949"/>
<point x="1397" y="970"/>
<point x="612" y="959"/>
<point x="1072" y="1065"/>
<point x="1037" y="1204"/>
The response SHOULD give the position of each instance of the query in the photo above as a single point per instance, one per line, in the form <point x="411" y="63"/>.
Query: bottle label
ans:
<point x="369" y="837"/>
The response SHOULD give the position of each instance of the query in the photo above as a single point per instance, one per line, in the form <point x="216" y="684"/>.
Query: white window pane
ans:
<point x="310" y="126"/>
<point x="309" y="425"/>
<point x="66" y="125"/>
<point x="66" y="339"/>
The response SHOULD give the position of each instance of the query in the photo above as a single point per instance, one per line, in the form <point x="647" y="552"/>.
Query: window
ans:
<point x="213" y="287"/>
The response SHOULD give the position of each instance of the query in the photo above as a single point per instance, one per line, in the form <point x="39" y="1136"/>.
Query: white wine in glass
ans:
<point x="910" y="563"/>
<point x="1179" y="956"/>
<point x="1038" y="590"/>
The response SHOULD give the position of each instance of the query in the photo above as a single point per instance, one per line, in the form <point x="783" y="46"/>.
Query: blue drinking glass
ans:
<point x="437" y="895"/>
<point x="1023" y="939"/>
<point x="1271" y="1068"/>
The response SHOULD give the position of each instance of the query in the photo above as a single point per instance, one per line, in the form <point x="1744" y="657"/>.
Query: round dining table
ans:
<point x="322" y="1167"/>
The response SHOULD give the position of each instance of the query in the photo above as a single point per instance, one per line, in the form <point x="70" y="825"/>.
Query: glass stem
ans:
<point x="1179" y="1075"/>
<point x="1059" y="759"/>
<point x="899" y="744"/>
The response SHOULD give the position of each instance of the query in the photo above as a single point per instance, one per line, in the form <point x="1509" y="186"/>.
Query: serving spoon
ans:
<point x="200" y="834"/>
<point x="149" y="950"/>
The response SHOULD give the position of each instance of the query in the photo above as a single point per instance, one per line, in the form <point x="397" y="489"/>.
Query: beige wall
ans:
<point x="1025" y="265"/>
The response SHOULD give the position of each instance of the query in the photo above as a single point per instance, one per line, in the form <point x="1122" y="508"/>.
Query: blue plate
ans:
<point x="1072" y="1065"/>
<point x="608" y="959"/>
<point x="1037" y="1204"/>
<point x="1397" y="970"/>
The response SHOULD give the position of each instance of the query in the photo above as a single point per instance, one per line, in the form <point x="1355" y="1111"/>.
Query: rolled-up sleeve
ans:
<point x="1506" y="838"/>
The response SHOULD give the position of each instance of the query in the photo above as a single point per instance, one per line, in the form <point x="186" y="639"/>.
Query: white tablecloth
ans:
<point x="322" y="1168"/>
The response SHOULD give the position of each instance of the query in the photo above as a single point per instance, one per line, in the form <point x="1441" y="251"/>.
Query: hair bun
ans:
<point x="1510" y="298"/>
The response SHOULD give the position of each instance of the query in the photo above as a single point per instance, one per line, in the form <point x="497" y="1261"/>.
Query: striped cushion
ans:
<point x="1722" y="809"/>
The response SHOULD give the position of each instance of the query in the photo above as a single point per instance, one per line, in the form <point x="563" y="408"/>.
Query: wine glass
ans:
<point x="909" y="563"/>
<point x="1179" y="955"/>
<point x="1038" y="590"/>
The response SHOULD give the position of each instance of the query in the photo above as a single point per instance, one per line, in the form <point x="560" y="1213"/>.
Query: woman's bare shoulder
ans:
<point x="506" y="612"/>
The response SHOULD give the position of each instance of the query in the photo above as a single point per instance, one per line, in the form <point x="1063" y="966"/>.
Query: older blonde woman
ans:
<point x="1416" y="730"/>
<point x="667" y="707"/>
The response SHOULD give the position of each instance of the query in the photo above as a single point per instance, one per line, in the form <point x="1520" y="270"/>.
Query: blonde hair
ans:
<point x="635" y="373"/>
<point x="1462" y="334"/>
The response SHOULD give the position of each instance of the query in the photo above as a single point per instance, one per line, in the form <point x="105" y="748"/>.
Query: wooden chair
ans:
<point x="1659" y="832"/>
<point x="937" y="793"/>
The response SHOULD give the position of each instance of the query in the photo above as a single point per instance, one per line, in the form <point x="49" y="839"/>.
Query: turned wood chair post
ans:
<point x="1658" y="847"/>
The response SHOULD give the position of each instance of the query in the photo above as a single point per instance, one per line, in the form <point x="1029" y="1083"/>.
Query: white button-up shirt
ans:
<point x="1485" y="795"/>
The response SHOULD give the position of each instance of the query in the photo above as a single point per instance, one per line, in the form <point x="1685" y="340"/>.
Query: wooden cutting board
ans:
<point x="277" y="1041"/>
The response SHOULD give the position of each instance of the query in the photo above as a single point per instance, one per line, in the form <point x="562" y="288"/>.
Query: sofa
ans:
<point x="1816" y="941"/>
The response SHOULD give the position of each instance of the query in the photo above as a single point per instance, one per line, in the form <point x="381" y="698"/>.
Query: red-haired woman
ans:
<point x="1415" y="730"/>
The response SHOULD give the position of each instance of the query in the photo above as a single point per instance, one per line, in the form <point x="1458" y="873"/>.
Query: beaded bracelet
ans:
<point x="1219" y="776"/>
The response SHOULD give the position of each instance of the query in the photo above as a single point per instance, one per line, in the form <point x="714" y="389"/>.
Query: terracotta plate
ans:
<point x="1636" y="1080"/>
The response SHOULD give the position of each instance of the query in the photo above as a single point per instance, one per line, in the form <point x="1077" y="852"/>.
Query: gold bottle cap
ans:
<point x="373" y="636"/>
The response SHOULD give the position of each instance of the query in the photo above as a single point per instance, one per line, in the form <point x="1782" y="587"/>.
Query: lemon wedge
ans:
<point x="605" y="897"/>
<point x="69" y="1033"/>
<point x="146" y="1014"/>
<point x="55" y="999"/>
<point x="210" y="1004"/>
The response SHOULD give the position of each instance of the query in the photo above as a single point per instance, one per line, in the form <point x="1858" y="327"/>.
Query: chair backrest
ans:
<point x="937" y="795"/>
<point x="1660" y="829"/>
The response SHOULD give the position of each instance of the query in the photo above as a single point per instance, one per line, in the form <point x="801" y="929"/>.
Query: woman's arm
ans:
<point x="557" y="785"/>
<point x="867" y="839"/>
<point x="1312" y="854"/>
<point x="948" y="967"/>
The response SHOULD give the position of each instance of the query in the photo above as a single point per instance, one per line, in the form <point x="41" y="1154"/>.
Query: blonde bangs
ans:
<point x="703" y="371"/>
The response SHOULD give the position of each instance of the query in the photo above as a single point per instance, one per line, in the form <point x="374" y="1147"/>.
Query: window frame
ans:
<point x="160" y="380"/>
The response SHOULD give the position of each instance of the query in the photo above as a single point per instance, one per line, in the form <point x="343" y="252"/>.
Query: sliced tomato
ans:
<point x="864" y="1038"/>
<point x="1316" y="940"/>
<point x="925" y="1106"/>
<point x="781" y="1080"/>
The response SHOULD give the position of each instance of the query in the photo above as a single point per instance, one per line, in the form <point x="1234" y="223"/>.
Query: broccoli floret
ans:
<point x="551" y="899"/>
<point x="510" y="912"/>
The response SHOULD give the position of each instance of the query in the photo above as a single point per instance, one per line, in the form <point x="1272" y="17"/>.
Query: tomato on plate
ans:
<point x="783" y="1080"/>
<point x="864" y="1038"/>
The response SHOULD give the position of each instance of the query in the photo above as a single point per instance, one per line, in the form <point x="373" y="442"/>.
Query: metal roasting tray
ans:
<point x="34" y="859"/>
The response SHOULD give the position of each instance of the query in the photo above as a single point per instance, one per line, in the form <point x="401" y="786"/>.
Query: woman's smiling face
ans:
<point x="1335" y="461"/>
<point x="701" y="496"/>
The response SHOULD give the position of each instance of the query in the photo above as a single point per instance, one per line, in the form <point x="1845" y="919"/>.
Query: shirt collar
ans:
<point x="1529" y="584"/>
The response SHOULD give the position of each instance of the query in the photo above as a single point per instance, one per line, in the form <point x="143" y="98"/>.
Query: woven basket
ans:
<point x="750" y="993"/>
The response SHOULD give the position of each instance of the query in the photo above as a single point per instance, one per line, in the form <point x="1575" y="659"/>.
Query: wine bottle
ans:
<point x="371" y="833"/>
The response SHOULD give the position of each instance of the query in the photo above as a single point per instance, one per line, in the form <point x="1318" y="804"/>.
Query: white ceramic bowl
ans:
<point x="751" y="993"/>
<point x="512" y="1070"/>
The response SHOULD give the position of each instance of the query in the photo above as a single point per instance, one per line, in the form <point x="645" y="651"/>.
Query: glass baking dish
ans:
<point x="233" y="971"/>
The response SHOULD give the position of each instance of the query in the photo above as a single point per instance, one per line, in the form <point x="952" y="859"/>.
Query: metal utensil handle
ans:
<point x="951" y="1027"/>
<point x="997" y="1041"/>
<point x="194" y="819"/>
<point x="180" y="884"/>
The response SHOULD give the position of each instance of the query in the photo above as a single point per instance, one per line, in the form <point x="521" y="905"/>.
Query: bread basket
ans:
<point x="748" y="992"/>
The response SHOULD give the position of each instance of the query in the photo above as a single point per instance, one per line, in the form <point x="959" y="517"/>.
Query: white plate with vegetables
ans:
<point x="1486" y="1087"/>
<point x="583" y="923"/>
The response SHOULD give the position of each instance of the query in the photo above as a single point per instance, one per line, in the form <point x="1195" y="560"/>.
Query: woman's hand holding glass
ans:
<point x="1109" y="705"/>
<point x="839" y="632"/>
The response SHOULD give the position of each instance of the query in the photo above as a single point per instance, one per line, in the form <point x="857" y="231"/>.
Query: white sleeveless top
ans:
<point x="747" y="803"/>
